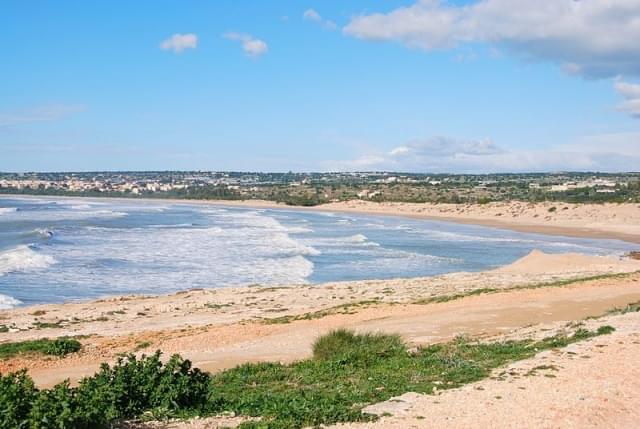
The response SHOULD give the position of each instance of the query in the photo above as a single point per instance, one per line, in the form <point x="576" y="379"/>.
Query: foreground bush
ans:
<point x="126" y="390"/>
<point x="347" y="372"/>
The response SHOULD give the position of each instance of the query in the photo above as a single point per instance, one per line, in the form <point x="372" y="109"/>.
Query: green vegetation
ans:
<point x="308" y="189"/>
<point x="48" y="325"/>
<point x="557" y="283"/>
<point x="347" y="372"/>
<point x="339" y="309"/>
<point x="57" y="347"/>
<point x="634" y="307"/>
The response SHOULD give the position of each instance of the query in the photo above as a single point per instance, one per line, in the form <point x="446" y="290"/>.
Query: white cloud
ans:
<point x="631" y="94"/>
<point x="251" y="46"/>
<point x="179" y="42"/>
<point x="613" y="152"/>
<point x="313" y="15"/>
<point x="45" y="113"/>
<point x="593" y="38"/>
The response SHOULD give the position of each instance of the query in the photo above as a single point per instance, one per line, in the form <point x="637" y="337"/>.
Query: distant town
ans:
<point x="318" y="188"/>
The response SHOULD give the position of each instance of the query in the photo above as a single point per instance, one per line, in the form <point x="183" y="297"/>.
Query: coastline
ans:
<point x="598" y="221"/>
<point x="221" y="328"/>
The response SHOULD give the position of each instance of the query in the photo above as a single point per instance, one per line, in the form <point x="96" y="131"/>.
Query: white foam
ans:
<point x="7" y="302"/>
<point x="177" y="225"/>
<point x="298" y="230"/>
<point x="243" y="248"/>
<point x="23" y="258"/>
<point x="358" y="238"/>
<point x="44" y="233"/>
<point x="5" y="210"/>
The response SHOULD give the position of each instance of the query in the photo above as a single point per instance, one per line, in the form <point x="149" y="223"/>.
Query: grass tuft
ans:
<point x="349" y="346"/>
<point x="56" y="347"/>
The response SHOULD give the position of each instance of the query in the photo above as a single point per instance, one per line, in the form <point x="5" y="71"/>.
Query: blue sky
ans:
<point x="471" y="86"/>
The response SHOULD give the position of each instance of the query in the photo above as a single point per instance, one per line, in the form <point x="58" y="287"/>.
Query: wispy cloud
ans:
<point x="251" y="46"/>
<point x="631" y="94"/>
<point x="613" y="152"/>
<point x="592" y="38"/>
<point x="313" y="15"/>
<point x="180" y="42"/>
<point x="45" y="113"/>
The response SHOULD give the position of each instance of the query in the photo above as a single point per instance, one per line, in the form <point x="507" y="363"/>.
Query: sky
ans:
<point x="335" y="85"/>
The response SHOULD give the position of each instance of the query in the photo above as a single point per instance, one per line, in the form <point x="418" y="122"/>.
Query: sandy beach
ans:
<point x="536" y="295"/>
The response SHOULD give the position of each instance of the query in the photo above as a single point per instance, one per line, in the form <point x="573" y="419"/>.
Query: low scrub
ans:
<point x="347" y="372"/>
<point x="56" y="347"/>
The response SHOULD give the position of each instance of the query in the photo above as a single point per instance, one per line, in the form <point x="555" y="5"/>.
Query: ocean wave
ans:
<point x="298" y="229"/>
<point x="358" y="238"/>
<point x="5" y="210"/>
<point x="43" y="233"/>
<point x="176" y="225"/>
<point x="212" y="210"/>
<point x="7" y="302"/>
<point x="23" y="258"/>
<point x="62" y="215"/>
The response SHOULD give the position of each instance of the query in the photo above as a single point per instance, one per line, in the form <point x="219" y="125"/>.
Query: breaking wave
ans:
<point x="23" y="258"/>
<point x="7" y="302"/>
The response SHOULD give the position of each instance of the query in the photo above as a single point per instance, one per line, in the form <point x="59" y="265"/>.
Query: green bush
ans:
<point x="126" y="390"/>
<point x="62" y="347"/>
<point x="17" y="394"/>
<point x="56" y="408"/>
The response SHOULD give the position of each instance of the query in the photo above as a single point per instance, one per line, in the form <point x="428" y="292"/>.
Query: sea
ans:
<point x="66" y="249"/>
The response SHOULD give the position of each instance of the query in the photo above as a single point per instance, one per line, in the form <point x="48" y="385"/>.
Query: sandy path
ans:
<point x="591" y="384"/>
<point x="220" y="347"/>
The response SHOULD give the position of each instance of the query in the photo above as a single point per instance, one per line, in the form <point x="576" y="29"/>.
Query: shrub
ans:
<point x="62" y="347"/>
<point x="56" y="408"/>
<point x="133" y="386"/>
<point x="17" y="393"/>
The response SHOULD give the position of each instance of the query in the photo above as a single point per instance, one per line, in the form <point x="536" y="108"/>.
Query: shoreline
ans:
<point x="221" y="328"/>
<point x="603" y="231"/>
